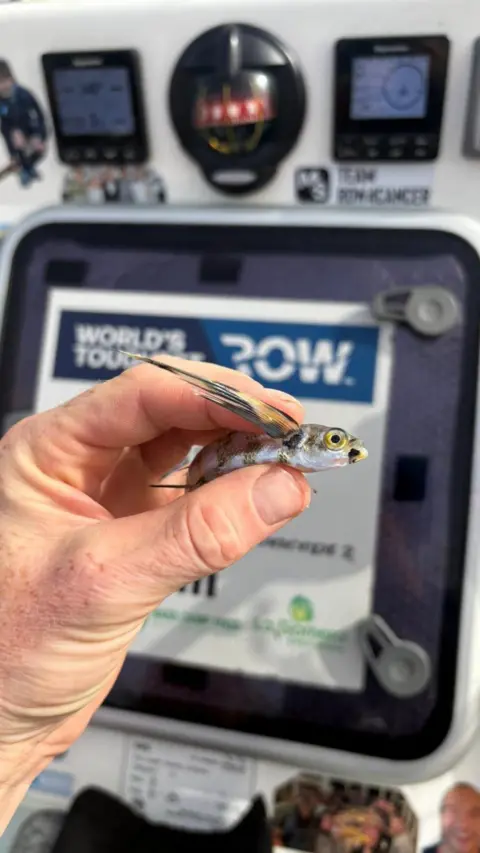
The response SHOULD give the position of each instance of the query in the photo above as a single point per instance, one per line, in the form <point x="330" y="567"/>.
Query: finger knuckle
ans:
<point x="213" y="536"/>
<point x="17" y="432"/>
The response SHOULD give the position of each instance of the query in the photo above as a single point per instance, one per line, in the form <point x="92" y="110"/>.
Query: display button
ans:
<point x="72" y="155"/>
<point x="130" y="153"/>
<point x="423" y="146"/>
<point x="372" y="141"/>
<point x="347" y="152"/>
<point x="349" y="147"/>
<point x="383" y="147"/>
<point x="398" y="140"/>
<point x="110" y="153"/>
<point x="91" y="154"/>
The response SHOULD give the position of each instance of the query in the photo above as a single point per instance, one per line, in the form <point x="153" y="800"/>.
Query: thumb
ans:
<point x="146" y="557"/>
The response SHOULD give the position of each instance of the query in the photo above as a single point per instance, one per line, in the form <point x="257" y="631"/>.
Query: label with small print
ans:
<point x="407" y="186"/>
<point x="188" y="787"/>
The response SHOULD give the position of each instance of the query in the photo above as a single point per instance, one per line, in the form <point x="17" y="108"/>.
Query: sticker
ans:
<point x="54" y="782"/>
<point x="188" y="787"/>
<point x="300" y="357"/>
<point x="459" y="820"/>
<point x="113" y="185"/>
<point x="294" y="624"/>
<point x="312" y="185"/>
<point x="23" y="128"/>
<point x="321" y="815"/>
<point x="405" y="186"/>
<point x="88" y="342"/>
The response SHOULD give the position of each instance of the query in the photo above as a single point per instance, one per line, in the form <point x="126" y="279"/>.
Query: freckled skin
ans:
<point x="304" y="450"/>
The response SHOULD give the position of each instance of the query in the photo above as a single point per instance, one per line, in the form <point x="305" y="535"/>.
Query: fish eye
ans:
<point x="335" y="439"/>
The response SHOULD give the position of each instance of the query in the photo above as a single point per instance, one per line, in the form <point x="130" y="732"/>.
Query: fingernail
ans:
<point x="278" y="495"/>
<point x="281" y="395"/>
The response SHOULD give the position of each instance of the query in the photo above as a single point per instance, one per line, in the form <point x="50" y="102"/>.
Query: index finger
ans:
<point x="81" y="440"/>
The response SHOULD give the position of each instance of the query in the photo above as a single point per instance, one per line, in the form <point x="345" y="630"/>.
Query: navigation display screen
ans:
<point x="94" y="101"/>
<point x="389" y="87"/>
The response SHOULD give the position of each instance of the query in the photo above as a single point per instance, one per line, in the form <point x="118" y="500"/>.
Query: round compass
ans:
<point x="237" y="100"/>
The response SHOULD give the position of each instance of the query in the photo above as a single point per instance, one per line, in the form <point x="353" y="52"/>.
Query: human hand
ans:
<point x="18" y="140"/>
<point x="37" y="144"/>
<point x="89" y="550"/>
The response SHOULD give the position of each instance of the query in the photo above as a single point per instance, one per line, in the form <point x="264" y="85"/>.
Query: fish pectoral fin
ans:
<point x="271" y="420"/>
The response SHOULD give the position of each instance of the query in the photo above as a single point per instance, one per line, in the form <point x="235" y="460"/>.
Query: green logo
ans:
<point x="301" y="609"/>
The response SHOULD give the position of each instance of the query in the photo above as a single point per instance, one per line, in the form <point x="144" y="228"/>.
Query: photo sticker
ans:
<point x="321" y="815"/>
<point x="312" y="185"/>
<point x="113" y="185"/>
<point x="459" y="820"/>
<point x="23" y="127"/>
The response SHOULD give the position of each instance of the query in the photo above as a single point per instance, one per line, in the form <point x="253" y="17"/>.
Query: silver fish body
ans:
<point x="309" y="450"/>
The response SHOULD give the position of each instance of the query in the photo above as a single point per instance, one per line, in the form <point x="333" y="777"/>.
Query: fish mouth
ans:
<point x="356" y="454"/>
